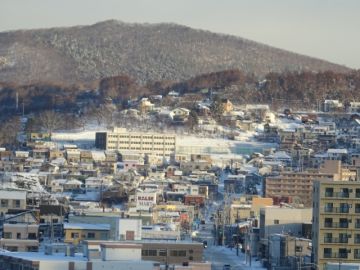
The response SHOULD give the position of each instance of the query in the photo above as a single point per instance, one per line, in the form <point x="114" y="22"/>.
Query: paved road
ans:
<point x="217" y="255"/>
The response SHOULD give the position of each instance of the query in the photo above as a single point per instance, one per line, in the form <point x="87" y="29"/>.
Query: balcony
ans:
<point x="336" y="255"/>
<point x="336" y="225"/>
<point x="342" y="195"/>
<point x="336" y="209"/>
<point x="335" y="240"/>
<point x="330" y="194"/>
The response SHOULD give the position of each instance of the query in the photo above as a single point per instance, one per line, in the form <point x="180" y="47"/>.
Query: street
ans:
<point x="219" y="255"/>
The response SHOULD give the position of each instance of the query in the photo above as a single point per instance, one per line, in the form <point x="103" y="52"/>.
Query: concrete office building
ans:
<point x="152" y="144"/>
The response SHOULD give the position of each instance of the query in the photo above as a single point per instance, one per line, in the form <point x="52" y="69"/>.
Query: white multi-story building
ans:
<point x="152" y="144"/>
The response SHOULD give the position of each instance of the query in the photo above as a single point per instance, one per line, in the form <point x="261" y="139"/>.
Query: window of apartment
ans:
<point x="162" y="253"/>
<point x="344" y="193"/>
<point x="4" y="203"/>
<point x="74" y="235"/>
<point x="32" y="248"/>
<point x="327" y="237"/>
<point x="276" y="221"/>
<point x="357" y="208"/>
<point x="357" y="238"/>
<point x="344" y="223"/>
<point x="13" y="249"/>
<point x="32" y="236"/>
<point x="328" y="222"/>
<point x="357" y="223"/>
<point x="327" y="252"/>
<point x="357" y="193"/>
<point x="328" y="207"/>
<point x="344" y="208"/>
<point x="16" y="203"/>
<point x="356" y="253"/>
<point x="178" y="253"/>
<point x="7" y="235"/>
<point x="149" y="252"/>
<point x="343" y="253"/>
<point x="18" y="235"/>
<point x="329" y="192"/>
<point x="343" y="238"/>
<point x="91" y="235"/>
<point x="298" y="249"/>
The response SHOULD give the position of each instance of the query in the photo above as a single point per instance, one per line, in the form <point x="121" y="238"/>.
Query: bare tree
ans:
<point x="50" y="121"/>
<point x="9" y="130"/>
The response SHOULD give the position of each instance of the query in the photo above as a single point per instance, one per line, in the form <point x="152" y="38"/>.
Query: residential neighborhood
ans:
<point x="263" y="184"/>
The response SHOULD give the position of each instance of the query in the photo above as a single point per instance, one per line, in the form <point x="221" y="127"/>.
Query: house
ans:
<point x="20" y="232"/>
<point x="57" y="185"/>
<point x="11" y="199"/>
<point x="354" y="107"/>
<point x="71" y="185"/>
<point x="173" y="94"/>
<point x="227" y="105"/>
<point x="39" y="136"/>
<point x="73" y="155"/>
<point x="86" y="157"/>
<point x="145" y="106"/>
<point x="75" y="233"/>
<point x="40" y="154"/>
<point x="331" y="105"/>
<point x="96" y="184"/>
<point x="179" y="114"/>
<point x="120" y="228"/>
<point x="124" y="256"/>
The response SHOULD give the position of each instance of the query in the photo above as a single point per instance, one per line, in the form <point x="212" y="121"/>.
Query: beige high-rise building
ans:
<point x="336" y="222"/>
<point x="299" y="185"/>
<point x="152" y="144"/>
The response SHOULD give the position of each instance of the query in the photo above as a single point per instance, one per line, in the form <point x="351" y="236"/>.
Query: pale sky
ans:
<point x="326" y="29"/>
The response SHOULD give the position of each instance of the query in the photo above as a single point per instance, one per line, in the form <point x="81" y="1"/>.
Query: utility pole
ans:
<point x="17" y="101"/>
<point x="224" y="218"/>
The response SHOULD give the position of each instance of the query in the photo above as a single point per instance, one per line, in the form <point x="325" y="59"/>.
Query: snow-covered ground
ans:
<point x="236" y="262"/>
<point x="186" y="144"/>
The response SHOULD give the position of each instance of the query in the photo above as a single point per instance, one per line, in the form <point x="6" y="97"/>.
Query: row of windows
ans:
<point x="341" y="253"/>
<point x="139" y="142"/>
<point x="142" y="136"/>
<point x="164" y="252"/>
<point x="6" y="203"/>
<point x="89" y="235"/>
<point x="9" y="235"/>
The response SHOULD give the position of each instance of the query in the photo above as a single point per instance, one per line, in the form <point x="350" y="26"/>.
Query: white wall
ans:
<point x="118" y="254"/>
<point x="130" y="225"/>
<point x="128" y="265"/>
<point x="60" y="265"/>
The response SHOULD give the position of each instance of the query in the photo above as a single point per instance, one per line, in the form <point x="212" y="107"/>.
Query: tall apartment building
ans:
<point x="152" y="144"/>
<point x="336" y="223"/>
<point x="299" y="185"/>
